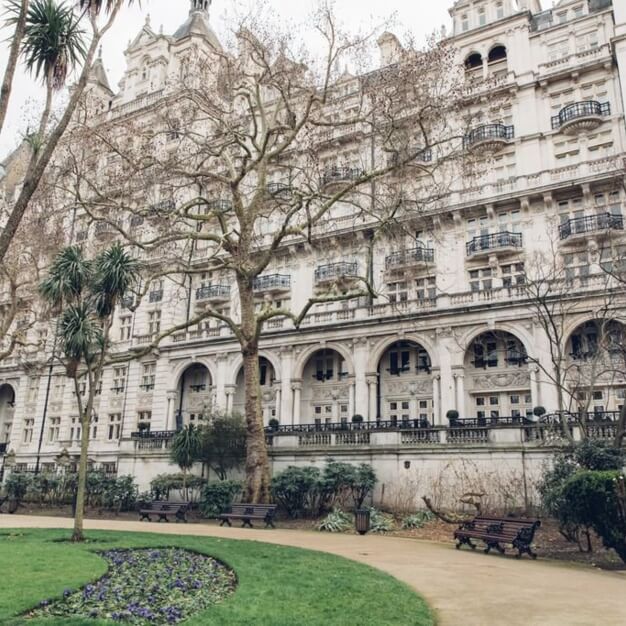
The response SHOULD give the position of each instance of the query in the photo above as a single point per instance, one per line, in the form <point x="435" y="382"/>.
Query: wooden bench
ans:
<point x="249" y="512"/>
<point x="495" y="531"/>
<point x="163" y="509"/>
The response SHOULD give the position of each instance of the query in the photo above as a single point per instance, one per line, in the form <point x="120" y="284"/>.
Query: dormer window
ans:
<point x="464" y="23"/>
<point x="482" y="17"/>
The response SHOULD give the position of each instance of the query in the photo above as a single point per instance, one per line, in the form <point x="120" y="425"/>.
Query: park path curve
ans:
<point x="463" y="587"/>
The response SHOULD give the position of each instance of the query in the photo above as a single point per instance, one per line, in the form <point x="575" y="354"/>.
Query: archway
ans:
<point x="195" y="395"/>
<point x="596" y="364"/>
<point x="497" y="378"/>
<point x="7" y="410"/>
<point x="405" y="386"/>
<point x="327" y="390"/>
<point x="270" y="392"/>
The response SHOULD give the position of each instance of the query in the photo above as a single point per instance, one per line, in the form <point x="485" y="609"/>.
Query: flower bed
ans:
<point x="148" y="586"/>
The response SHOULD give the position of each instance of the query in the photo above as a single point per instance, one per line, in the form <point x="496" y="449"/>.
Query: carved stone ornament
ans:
<point x="502" y="380"/>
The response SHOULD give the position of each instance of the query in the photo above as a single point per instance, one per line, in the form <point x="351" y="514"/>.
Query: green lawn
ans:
<point x="277" y="585"/>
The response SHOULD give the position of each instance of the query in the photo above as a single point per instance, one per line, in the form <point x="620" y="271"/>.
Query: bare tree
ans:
<point x="259" y="149"/>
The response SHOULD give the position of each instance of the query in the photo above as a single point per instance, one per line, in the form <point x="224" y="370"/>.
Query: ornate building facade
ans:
<point x="455" y="329"/>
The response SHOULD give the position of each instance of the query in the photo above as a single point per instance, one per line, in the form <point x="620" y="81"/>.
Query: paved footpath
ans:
<point x="465" y="588"/>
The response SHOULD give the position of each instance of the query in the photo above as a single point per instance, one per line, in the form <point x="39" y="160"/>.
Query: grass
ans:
<point x="277" y="585"/>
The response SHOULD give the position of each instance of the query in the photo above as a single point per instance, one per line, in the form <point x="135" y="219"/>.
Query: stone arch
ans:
<point x="181" y="367"/>
<point x="303" y="359"/>
<point x="7" y="405"/>
<point x="384" y="344"/>
<point x="469" y="336"/>
<point x="497" y="52"/>
<point x="238" y="364"/>
<point x="473" y="60"/>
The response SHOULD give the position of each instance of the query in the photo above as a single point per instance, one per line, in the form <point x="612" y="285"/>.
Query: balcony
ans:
<point x="501" y="243"/>
<point x="213" y="293"/>
<point x="424" y="155"/>
<point x="590" y="225"/>
<point x="219" y="205"/>
<point x="581" y="116"/>
<point x="106" y="230"/>
<point x="279" y="191"/>
<point x="272" y="283"/>
<point x="341" y="176"/>
<point x="408" y="259"/>
<point x="342" y="273"/>
<point x="488" y="138"/>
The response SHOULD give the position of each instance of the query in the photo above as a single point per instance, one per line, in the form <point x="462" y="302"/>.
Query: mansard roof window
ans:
<point x="581" y="116"/>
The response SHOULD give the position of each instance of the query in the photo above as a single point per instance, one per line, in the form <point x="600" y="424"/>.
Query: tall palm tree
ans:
<point x="185" y="449"/>
<point x="95" y="6"/>
<point x="86" y="293"/>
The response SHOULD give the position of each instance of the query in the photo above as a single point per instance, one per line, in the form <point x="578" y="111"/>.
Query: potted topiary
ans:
<point x="453" y="417"/>
<point x="274" y="424"/>
<point x="539" y="412"/>
<point x="143" y="427"/>
<point x="358" y="420"/>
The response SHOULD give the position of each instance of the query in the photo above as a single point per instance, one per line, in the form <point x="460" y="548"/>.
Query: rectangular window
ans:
<point x="426" y="289"/>
<point x="513" y="275"/>
<point x="148" y="376"/>
<point x="499" y="10"/>
<point x="482" y="17"/>
<point x="29" y="426"/>
<point x="54" y="429"/>
<point x="119" y="379"/>
<point x="143" y="420"/>
<point x="33" y="387"/>
<point x="154" y="322"/>
<point x="481" y="279"/>
<point x="115" y="426"/>
<point x="125" y="327"/>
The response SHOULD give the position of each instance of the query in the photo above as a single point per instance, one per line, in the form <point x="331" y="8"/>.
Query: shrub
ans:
<point x="337" y="521"/>
<point x="163" y="485"/>
<point x="381" y="522"/>
<point x="217" y="497"/>
<point x="364" y="481"/>
<point x="357" y="419"/>
<point x="589" y="498"/>
<point x="417" y="520"/>
<point x="17" y="485"/>
<point x="539" y="411"/>
<point x="452" y="415"/>
<point x="120" y="494"/>
<point x="296" y="489"/>
<point x="274" y="424"/>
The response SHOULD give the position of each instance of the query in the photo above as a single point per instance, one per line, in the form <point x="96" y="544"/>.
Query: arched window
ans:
<point x="473" y="61"/>
<point x="497" y="54"/>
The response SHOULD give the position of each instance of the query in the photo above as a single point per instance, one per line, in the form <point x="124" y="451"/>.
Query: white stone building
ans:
<point x="454" y="329"/>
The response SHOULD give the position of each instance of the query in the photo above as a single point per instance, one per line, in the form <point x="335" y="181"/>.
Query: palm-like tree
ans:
<point x="185" y="450"/>
<point x="95" y="6"/>
<point x="86" y="293"/>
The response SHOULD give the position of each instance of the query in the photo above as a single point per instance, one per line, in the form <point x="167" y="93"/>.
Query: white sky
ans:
<point x="419" y="17"/>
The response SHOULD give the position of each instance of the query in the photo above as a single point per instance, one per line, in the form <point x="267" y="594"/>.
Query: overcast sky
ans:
<point x="421" y="17"/>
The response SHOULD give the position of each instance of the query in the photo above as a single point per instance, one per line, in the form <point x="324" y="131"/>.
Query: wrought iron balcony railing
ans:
<point x="580" y="111"/>
<point x="270" y="282"/>
<point x="590" y="224"/>
<point x="488" y="133"/>
<point x="278" y="189"/>
<point x="219" y="205"/>
<point x="496" y="241"/>
<point x="412" y="256"/>
<point x="341" y="175"/>
<point x="213" y="292"/>
<point x="153" y="434"/>
<point x="332" y="271"/>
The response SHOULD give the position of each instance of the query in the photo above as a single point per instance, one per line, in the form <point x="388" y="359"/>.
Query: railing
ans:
<point x="219" y="205"/>
<point x="153" y="434"/>
<point x="278" y="189"/>
<point x="580" y="110"/>
<point x="420" y="254"/>
<point x="487" y="133"/>
<point x="272" y="281"/>
<point x="333" y="271"/>
<point x="422" y="155"/>
<point x="341" y="175"/>
<point x="496" y="241"/>
<point x="212" y="292"/>
<point x="590" y="224"/>
<point x="106" y="228"/>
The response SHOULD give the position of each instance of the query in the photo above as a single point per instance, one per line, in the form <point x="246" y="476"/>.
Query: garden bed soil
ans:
<point x="549" y="542"/>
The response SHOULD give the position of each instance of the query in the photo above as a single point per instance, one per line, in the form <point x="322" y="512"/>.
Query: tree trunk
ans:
<point x="9" y="72"/>
<point x="620" y="428"/>
<point x="79" y="515"/>
<point x="257" y="461"/>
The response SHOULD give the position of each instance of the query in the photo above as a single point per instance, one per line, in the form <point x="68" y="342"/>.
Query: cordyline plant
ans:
<point x="260" y="149"/>
<point x="84" y="294"/>
<point x="51" y="36"/>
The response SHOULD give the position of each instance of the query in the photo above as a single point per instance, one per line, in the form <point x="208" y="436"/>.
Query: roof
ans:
<point x="198" y="24"/>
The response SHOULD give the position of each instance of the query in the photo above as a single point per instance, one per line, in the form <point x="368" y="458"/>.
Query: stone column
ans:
<point x="277" y="401"/>
<point x="286" y="409"/>
<point x="296" y="387"/>
<point x="170" y="420"/>
<point x="221" y="382"/>
<point x="460" y="393"/>
<point x="351" y="396"/>
<point x="229" y="390"/>
<point x="361" y="359"/>
<point x="436" y="399"/>
<point x="372" y="382"/>
<point x="534" y="387"/>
